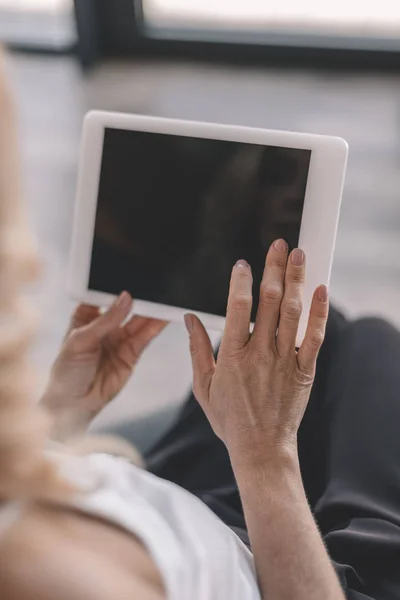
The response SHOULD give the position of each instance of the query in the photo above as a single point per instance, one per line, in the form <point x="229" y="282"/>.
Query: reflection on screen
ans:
<point x="175" y="213"/>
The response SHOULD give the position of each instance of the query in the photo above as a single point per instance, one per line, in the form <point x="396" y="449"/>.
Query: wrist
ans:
<point x="68" y="423"/>
<point x="262" y="450"/>
<point x="277" y="464"/>
<point x="68" y="415"/>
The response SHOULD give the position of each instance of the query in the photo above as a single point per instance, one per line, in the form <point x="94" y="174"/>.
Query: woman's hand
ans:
<point x="256" y="395"/>
<point x="96" y="360"/>
<point x="255" y="398"/>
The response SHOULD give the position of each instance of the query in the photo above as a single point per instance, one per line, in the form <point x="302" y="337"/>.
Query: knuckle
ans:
<point x="292" y="309"/>
<point x="239" y="302"/>
<point x="305" y="377"/>
<point x="279" y="262"/>
<point x="194" y="348"/>
<point x="322" y="314"/>
<point x="296" y="275"/>
<point x="271" y="293"/>
<point x="232" y="356"/>
<point x="317" y="338"/>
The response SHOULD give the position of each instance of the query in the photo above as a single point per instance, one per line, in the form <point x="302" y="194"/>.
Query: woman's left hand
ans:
<point x="256" y="394"/>
<point x="96" y="360"/>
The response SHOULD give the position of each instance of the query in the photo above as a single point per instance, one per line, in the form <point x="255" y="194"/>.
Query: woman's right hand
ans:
<point x="256" y="394"/>
<point x="99" y="355"/>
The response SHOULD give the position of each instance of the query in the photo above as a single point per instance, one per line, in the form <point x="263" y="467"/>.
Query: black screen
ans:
<point x="175" y="213"/>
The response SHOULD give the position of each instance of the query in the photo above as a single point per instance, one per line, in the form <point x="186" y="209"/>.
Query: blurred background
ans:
<point x="305" y="66"/>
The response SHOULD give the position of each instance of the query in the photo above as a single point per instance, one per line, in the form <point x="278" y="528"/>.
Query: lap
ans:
<point x="359" y="510"/>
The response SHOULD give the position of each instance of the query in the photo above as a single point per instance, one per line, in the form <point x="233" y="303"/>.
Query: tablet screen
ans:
<point x="175" y="213"/>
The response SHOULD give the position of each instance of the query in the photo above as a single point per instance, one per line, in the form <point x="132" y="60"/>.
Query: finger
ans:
<point x="240" y="302"/>
<point x="88" y="337"/>
<point x="271" y="294"/>
<point x="137" y="322"/>
<point x="203" y="362"/>
<point x="131" y="328"/>
<point x="133" y="347"/>
<point x="292" y="303"/>
<point x="315" y="334"/>
<point x="82" y="315"/>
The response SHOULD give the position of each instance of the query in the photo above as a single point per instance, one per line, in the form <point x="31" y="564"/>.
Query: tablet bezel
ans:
<point x="320" y="214"/>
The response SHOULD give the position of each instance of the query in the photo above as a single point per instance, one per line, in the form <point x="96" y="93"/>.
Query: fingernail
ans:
<point x="189" y="322"/>
<point x="280" y="246"/>
<point x="123" y="300"/>
<point x="322" y="293"/>
<point x="242" y="263"/>
<point x="297" y="257"/>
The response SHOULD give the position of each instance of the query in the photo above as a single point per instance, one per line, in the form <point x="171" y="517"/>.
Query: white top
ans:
<point x="198" y="556"/>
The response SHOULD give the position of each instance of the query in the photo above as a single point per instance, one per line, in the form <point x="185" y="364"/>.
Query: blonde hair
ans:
<point x="24" y="470"/>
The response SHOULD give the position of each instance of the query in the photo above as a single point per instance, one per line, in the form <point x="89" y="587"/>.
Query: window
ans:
<point x="44" y="24"/>
<point x="342" y="33"/>
<point x="341" y="22"/>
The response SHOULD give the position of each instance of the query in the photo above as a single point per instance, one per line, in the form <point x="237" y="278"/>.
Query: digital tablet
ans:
<point x="165" y="208"/>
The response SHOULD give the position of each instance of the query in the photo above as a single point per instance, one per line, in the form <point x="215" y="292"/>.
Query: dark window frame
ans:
<point x="118" y="29"/>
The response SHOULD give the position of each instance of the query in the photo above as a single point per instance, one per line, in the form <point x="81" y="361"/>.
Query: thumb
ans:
<point x="203" y="362"/>
<point x="87" y="338"/>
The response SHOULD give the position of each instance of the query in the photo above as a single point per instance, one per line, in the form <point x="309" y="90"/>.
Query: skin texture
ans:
<point x="57" y="554"/>
<point x="99" y="355"/>
<point x="255" y="397"/>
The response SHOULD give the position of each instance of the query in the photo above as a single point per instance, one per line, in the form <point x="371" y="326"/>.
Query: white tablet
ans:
<point x="165" y="208"/>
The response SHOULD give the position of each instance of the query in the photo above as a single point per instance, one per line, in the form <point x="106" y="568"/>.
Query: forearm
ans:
<point x="291" y="560"/>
